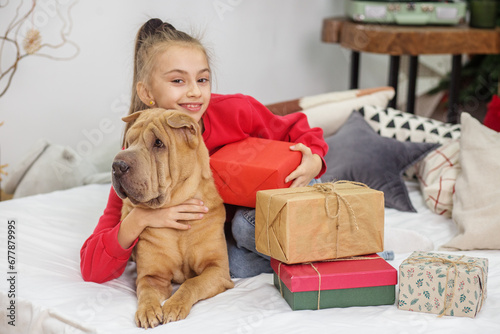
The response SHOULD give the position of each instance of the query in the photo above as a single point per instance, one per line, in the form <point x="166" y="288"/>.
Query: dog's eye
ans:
<point x="158" y="143"/>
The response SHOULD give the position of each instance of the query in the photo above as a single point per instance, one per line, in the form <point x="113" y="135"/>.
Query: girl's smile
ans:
<point x="192" y="107"/>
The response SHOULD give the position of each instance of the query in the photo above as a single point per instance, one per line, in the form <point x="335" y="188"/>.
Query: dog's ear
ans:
<point x="187" y="125"/>
<point x="132" y="117"/>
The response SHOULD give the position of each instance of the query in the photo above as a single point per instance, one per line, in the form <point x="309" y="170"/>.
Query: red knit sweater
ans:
<point x="229" y="118"/>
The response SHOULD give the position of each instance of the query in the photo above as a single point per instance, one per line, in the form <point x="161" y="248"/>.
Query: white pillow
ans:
<point x="18" y="171"/>
<point x="315" y="100"/>
<point x="56" y="168"/>
<point x="476" y="203"/>
<point x="102" y="155"/>
<point x="330" y="116"/>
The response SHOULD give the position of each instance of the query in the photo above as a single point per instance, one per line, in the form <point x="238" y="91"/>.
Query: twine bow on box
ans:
<point x="330" y="193"/>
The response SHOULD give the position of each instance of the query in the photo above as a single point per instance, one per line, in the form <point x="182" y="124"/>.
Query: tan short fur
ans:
<point x="157" y="177"/>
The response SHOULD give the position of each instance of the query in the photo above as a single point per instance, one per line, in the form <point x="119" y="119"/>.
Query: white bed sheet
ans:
<point x="53" y="298"/>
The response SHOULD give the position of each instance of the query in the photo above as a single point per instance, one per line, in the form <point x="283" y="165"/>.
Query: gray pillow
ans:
<point x="358" y="153"/>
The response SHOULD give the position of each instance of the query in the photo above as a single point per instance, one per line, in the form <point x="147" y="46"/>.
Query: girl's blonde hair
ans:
<point x="153" y="38"/>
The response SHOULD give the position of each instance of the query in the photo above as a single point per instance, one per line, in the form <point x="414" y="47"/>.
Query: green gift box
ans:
<point x="443" y="284"/>
<point x="359" y="281"/>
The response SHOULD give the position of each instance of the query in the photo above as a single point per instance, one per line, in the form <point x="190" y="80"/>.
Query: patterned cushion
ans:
<point x="437" y="174"/>
<point x="408" y="127"/>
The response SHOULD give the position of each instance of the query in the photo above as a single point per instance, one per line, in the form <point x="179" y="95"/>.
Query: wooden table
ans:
<point x="397" y="40"/>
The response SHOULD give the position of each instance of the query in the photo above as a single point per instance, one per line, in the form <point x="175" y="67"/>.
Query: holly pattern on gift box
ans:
<point x="442" y="284"/>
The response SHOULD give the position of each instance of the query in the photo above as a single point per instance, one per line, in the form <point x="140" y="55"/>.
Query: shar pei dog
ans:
<point x="166" y="163"/>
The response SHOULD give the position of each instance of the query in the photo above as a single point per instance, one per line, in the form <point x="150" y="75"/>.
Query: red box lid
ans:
<point x="241" y="169"/>
<point x="345" y="274"/>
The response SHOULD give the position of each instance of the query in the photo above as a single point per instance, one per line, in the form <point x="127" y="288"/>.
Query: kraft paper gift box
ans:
<point x="443" y="284"/>
<point x="363" y="281"/>
<point x="241" y="169"/>
<point x="320" y="222"/>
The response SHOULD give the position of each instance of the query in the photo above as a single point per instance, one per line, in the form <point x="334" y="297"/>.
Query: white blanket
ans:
<point x="51" y="296"/>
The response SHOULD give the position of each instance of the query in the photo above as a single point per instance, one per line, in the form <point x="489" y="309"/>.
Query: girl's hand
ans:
<point x="309" y="167"/>
<point x="138" y="219"/>
<point x="192" y="209"/>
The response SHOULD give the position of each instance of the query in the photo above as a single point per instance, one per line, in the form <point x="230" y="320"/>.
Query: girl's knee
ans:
<point x="243" y="223"/>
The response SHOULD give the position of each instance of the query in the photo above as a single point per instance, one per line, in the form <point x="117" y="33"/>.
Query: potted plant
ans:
<point x="480" y="73"/>
<point x="483" y="13"/>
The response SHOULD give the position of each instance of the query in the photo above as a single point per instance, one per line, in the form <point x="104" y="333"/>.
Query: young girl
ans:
<point x="172" y="71"/>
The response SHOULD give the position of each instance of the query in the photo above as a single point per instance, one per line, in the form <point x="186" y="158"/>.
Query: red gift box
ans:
<point x="358" y="281"/>
<point x="241" y="169"/>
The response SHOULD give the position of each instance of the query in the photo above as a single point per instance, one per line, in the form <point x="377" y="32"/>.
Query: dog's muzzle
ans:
<point x="120" y="167"/>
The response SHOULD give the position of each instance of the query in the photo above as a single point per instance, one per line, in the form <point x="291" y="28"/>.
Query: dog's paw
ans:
<point x="148" y="316"/>
<point x="173" y="311"/>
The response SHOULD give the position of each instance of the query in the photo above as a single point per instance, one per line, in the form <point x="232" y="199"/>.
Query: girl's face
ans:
<point x="181" y="81"/>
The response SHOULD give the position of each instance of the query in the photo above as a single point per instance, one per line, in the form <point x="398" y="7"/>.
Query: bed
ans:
<point x="51" y="296"/>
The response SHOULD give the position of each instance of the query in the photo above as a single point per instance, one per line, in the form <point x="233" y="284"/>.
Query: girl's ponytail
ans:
<point x="146" y="30"/>
<point x="150" y="28"/>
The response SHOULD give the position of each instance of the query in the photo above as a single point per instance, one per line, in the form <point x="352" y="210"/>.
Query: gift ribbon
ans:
<point x="351" y="258"/>
<point x="328" y="189"/>
<point x="452" y="264"/>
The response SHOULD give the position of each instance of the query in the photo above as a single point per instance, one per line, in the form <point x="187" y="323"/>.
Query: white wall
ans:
<point x="268" y="49"/>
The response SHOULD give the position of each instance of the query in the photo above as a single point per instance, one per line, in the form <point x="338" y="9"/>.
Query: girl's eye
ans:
<point x="203" y="80"/>
<point x="158" y="143"/>
<point x="177" y="81"/>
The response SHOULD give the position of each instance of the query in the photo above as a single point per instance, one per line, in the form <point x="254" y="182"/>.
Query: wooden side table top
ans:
<point x="410" y="40"/>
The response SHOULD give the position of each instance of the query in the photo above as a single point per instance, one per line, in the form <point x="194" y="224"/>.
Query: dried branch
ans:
<point x="32" y="41"/>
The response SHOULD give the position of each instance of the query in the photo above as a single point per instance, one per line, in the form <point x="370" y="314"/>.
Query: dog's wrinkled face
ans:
<point x="160" y="145"/>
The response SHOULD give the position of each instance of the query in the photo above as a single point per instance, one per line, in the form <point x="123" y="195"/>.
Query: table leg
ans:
<point x="393" y="78"/>
<point x="412" y="84"/>
<point x="354" y="84"/>
<point x="456" y="66"/>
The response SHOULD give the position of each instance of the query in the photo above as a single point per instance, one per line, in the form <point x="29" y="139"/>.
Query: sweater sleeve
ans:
<point x="102" y="258"/>
<point x="293" y="128"/>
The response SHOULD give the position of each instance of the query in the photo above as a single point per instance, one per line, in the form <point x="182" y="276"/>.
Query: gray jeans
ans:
<point x="244" y="260"/>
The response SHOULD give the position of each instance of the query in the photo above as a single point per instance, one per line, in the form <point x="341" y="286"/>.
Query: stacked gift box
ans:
<point x="299" y="227"/>
<point x="321" y="222"/>
<point x="242" y="168"/>
<point x="322" y="239"/>
<point x="363" y="281"/>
